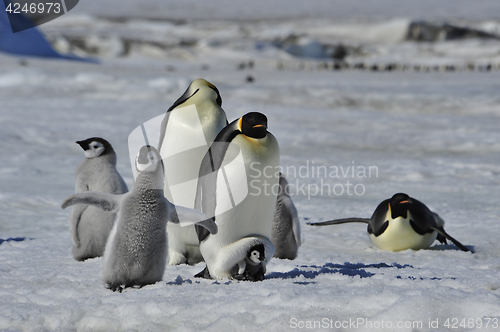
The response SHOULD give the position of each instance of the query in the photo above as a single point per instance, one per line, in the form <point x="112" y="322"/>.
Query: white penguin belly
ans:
<point x="182" y="151"/>
<point x="189" y="133"/>
<point x="245" y="195"/>
<point x="399" y="235"/>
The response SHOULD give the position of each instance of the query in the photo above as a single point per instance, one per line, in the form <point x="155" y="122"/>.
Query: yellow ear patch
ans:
<point x="239" y="123"/>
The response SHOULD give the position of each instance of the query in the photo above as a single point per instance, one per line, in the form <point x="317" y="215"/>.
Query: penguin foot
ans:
<point x="115" y="288"/>
<point x="203" y="274"/>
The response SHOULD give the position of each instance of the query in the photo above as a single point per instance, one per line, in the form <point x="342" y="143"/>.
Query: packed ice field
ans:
<point x="431" y="133"/>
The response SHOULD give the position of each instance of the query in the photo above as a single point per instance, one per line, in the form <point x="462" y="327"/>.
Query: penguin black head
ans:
<point x="147" y="159"/>
<point x="193" y="89"/>
<point x="95" y="147"/>
<point x="218" y="100"/>
<point x="257" y="253"/>
<point x="254" y="125"/>
<point x="399" y="204"/>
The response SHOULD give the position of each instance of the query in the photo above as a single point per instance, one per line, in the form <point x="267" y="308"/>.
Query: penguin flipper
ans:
<point x="163" y="129"/>
<point x="74" y="220"/>
<point x="189" y="216"/>
<point x="292" y="211"/>
<point x="443" y="233"/>
<point x="106" y="202"/>
<point x="296" y="230"/>
<point x="203" y="274"/>
<point x="242" y="265"/>
<point x="339" y="221"/>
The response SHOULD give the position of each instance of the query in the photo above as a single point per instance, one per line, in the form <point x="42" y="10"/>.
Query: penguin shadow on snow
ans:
<point x="15" y="239"/>
<point x="348" y="269"/>
<point x="179" y="281"/>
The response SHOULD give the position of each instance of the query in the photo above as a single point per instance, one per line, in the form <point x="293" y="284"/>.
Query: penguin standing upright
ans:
<point x="401" y="223"/>
<point x="235" y="188"/>
<point x="189" y="127"/>
<point x="286" y="228"/>
<point x="136" y="250"/>
<point x="89" y="227"/>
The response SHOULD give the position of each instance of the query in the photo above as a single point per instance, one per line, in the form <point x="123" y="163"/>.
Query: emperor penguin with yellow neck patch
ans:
<point x="401" y="223"/>
<point x="235" y="188"/>
<point x="189" y="127"/>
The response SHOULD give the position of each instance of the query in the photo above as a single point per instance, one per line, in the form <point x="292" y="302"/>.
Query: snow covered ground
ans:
<point x="433" y="135"/>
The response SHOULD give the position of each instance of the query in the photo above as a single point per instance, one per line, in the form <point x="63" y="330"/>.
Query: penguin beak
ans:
<point x="260" y="126"/>
<point x="403" y="202"/>
<point x="84" y="146"/>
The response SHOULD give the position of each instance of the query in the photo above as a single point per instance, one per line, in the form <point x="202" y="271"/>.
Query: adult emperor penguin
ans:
<point x="401" y="223"/>
<point x="89" y="226"/>
<point x="286" y="228"/>
<point x="189" y="127"/>
<point x="235" y="189"/>
<point x="136" y="250"/>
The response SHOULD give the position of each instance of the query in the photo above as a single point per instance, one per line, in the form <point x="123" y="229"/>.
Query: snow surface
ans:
<point x="432" y="135"/>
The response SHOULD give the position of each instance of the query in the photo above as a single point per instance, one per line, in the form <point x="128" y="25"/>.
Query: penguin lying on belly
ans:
<point x="233" y="188"/>
<point x="401" y="223"/>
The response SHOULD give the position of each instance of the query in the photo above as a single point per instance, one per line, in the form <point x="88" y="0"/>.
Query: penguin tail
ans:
<point x="339" y="221"/>
<point x="442" y="235"/>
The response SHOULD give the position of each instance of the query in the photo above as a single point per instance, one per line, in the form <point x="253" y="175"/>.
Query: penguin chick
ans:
<point x="286" y="227"/>
<point x="252" y="268"/>
<point x="402" y="223"/>
<point x="136" y="250"/>
<point x="90" y="227"/>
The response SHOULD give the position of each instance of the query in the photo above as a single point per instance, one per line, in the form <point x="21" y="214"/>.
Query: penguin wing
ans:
<point x="339" y="221"/>
<point x="205" y="200"/>
<point x="106" y="202"/>
<point x="74" y="220"/>
<point x="443" y="235"/>
<point x="296" y="226"/>
<point x="442" y="232"/>
<point x="163" y="129"/>
<point x="206" y="191"/>
<point x="291" y="211"/>
<point x="186" y="216"/>
<point x="286" y="209"/>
